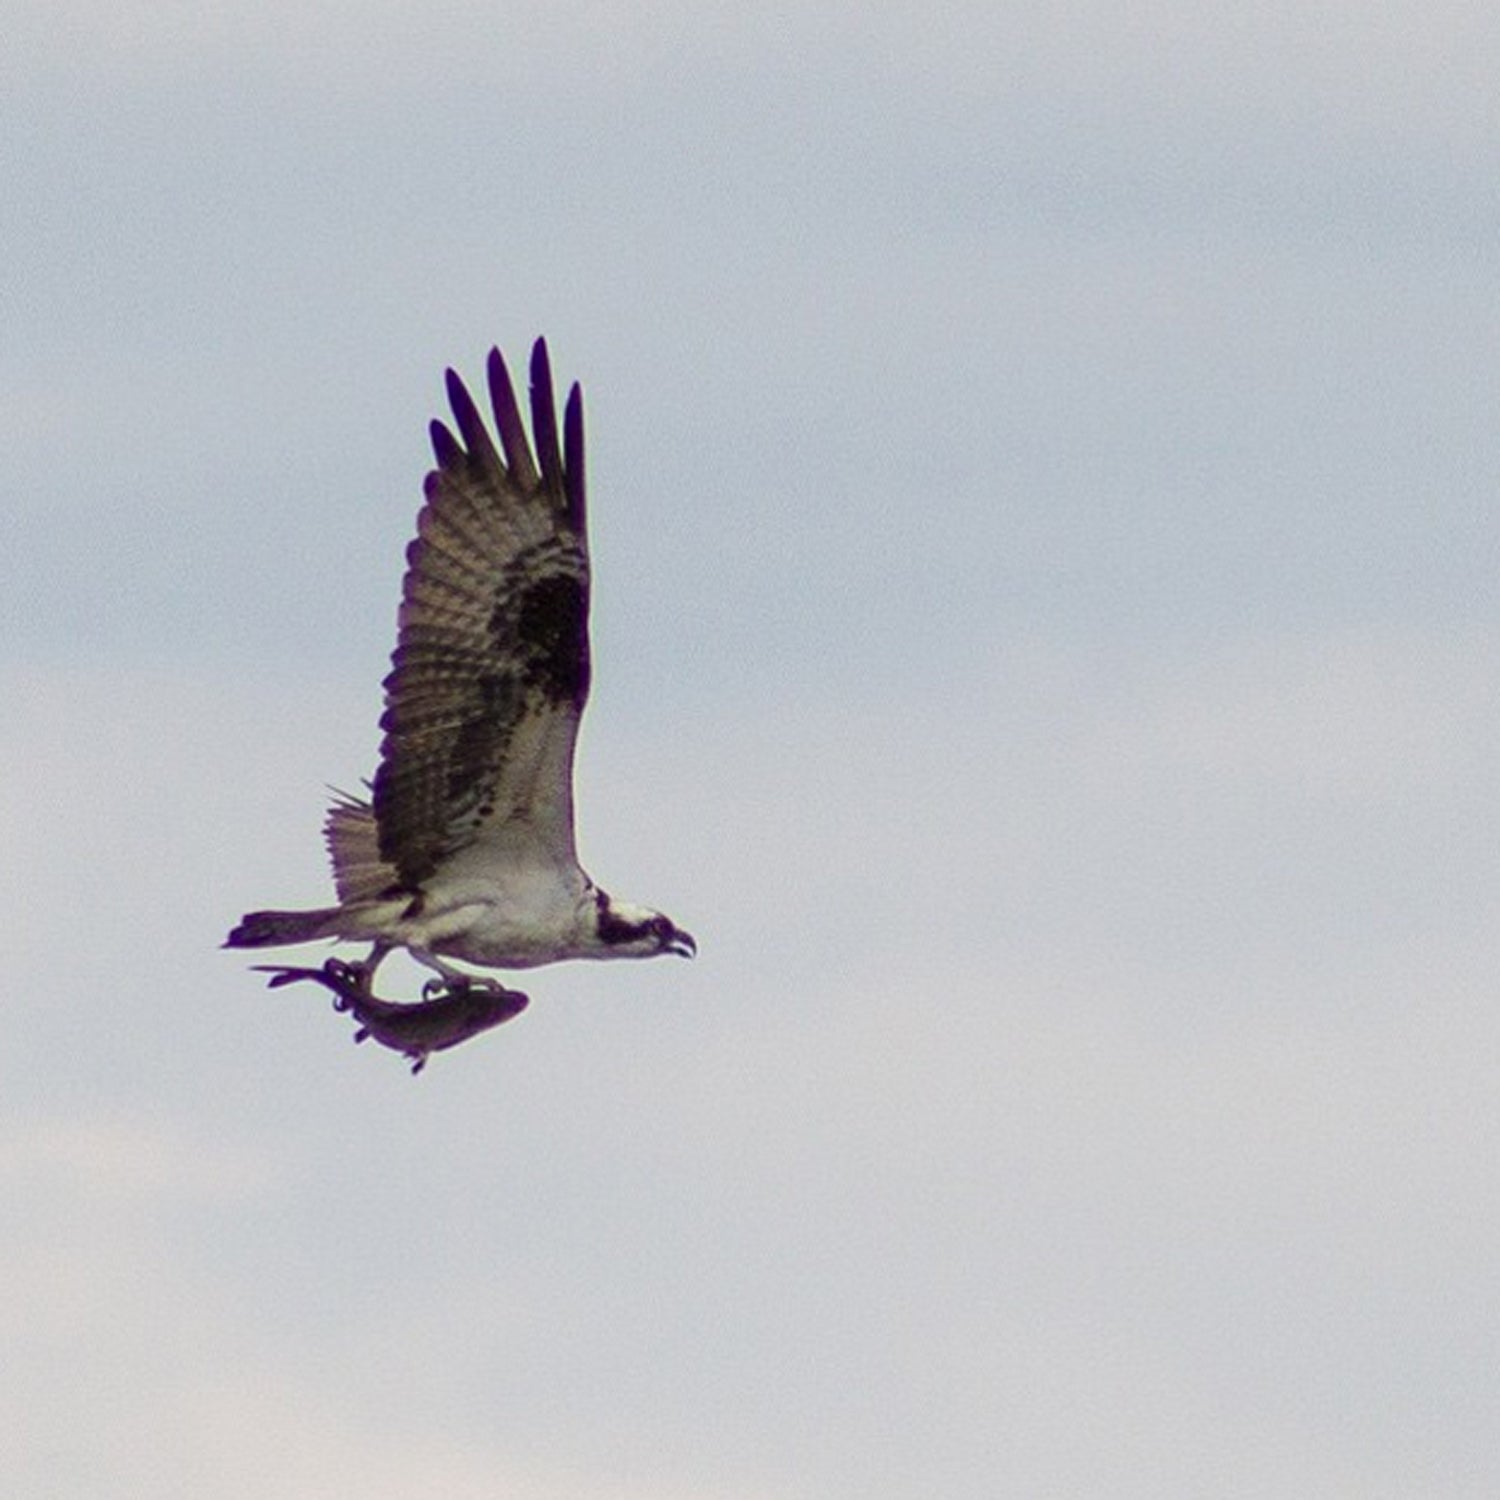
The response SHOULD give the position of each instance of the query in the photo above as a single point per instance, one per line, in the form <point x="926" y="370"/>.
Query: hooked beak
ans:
<point x="682" y="944"/>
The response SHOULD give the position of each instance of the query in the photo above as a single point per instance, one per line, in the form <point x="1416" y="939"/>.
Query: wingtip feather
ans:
<point x="573" y="463"/>
<point x="445" y="447"/>
<point x="544" y="418"/>
<point x="471" y="426"/>
<point x="508" y="421"/>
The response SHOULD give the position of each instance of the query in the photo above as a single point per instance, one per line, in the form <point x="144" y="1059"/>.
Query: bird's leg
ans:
<point x="454" y="982"/>
<point x="351" y="983"/>
<point x="356" y="979"/>
<point x="451" y="981"/>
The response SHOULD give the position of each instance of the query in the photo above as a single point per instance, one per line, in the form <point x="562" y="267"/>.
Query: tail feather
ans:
<point x="353" y="840"/>
<point x="272" y="929"/>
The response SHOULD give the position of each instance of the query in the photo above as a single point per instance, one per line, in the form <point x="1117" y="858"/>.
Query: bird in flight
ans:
<point x="465" y="848"/>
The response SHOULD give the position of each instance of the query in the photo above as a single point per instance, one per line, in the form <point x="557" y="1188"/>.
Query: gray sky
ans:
<point x="1043" y="466"/>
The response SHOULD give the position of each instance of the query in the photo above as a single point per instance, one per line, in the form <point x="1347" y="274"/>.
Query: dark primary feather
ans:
<point x="508" y="421"/>
<point x="573" y="468"/>
<point x="491" y="668"/>
<point x="544" y="420"/>
<point x="471" y="429"/>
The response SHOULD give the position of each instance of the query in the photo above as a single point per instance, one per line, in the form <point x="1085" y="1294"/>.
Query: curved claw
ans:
<point x="454" y="986"/>
<point x="350" y="983"/>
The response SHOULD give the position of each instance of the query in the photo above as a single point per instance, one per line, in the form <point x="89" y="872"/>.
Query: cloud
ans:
<point x="997" y="1131"/>
<point x="139" y="1364"/>
<point x="1419" y="69"/>
<point x="1045" y="638"/>
<point x="132" y="1160"/>
<point x="1371" y="715"/>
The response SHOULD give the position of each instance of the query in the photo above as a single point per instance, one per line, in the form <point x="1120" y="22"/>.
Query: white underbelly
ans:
<point x="518" y="926"/>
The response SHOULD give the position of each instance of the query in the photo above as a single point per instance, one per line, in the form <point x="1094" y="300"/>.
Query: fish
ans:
<point x="451" y="1012"/>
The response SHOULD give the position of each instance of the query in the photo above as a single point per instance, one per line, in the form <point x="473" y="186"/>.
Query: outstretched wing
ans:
<point x="491" y="668"/>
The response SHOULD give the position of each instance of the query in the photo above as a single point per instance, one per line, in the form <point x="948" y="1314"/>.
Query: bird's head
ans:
<point x="627" y="931"/>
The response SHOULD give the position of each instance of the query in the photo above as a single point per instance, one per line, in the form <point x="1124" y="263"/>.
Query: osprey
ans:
<point x="465" y="849"/>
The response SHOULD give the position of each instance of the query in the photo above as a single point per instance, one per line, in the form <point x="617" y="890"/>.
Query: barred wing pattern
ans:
<point x="491" y="668"/>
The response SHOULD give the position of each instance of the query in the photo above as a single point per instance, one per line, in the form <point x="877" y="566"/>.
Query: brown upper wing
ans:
<point x="491" y="667"/>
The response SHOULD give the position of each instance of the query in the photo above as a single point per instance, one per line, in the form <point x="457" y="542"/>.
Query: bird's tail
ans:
<point x="272" y="929"/>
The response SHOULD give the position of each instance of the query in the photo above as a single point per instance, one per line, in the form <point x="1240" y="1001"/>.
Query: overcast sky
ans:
<point x="1043" y="467"/>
